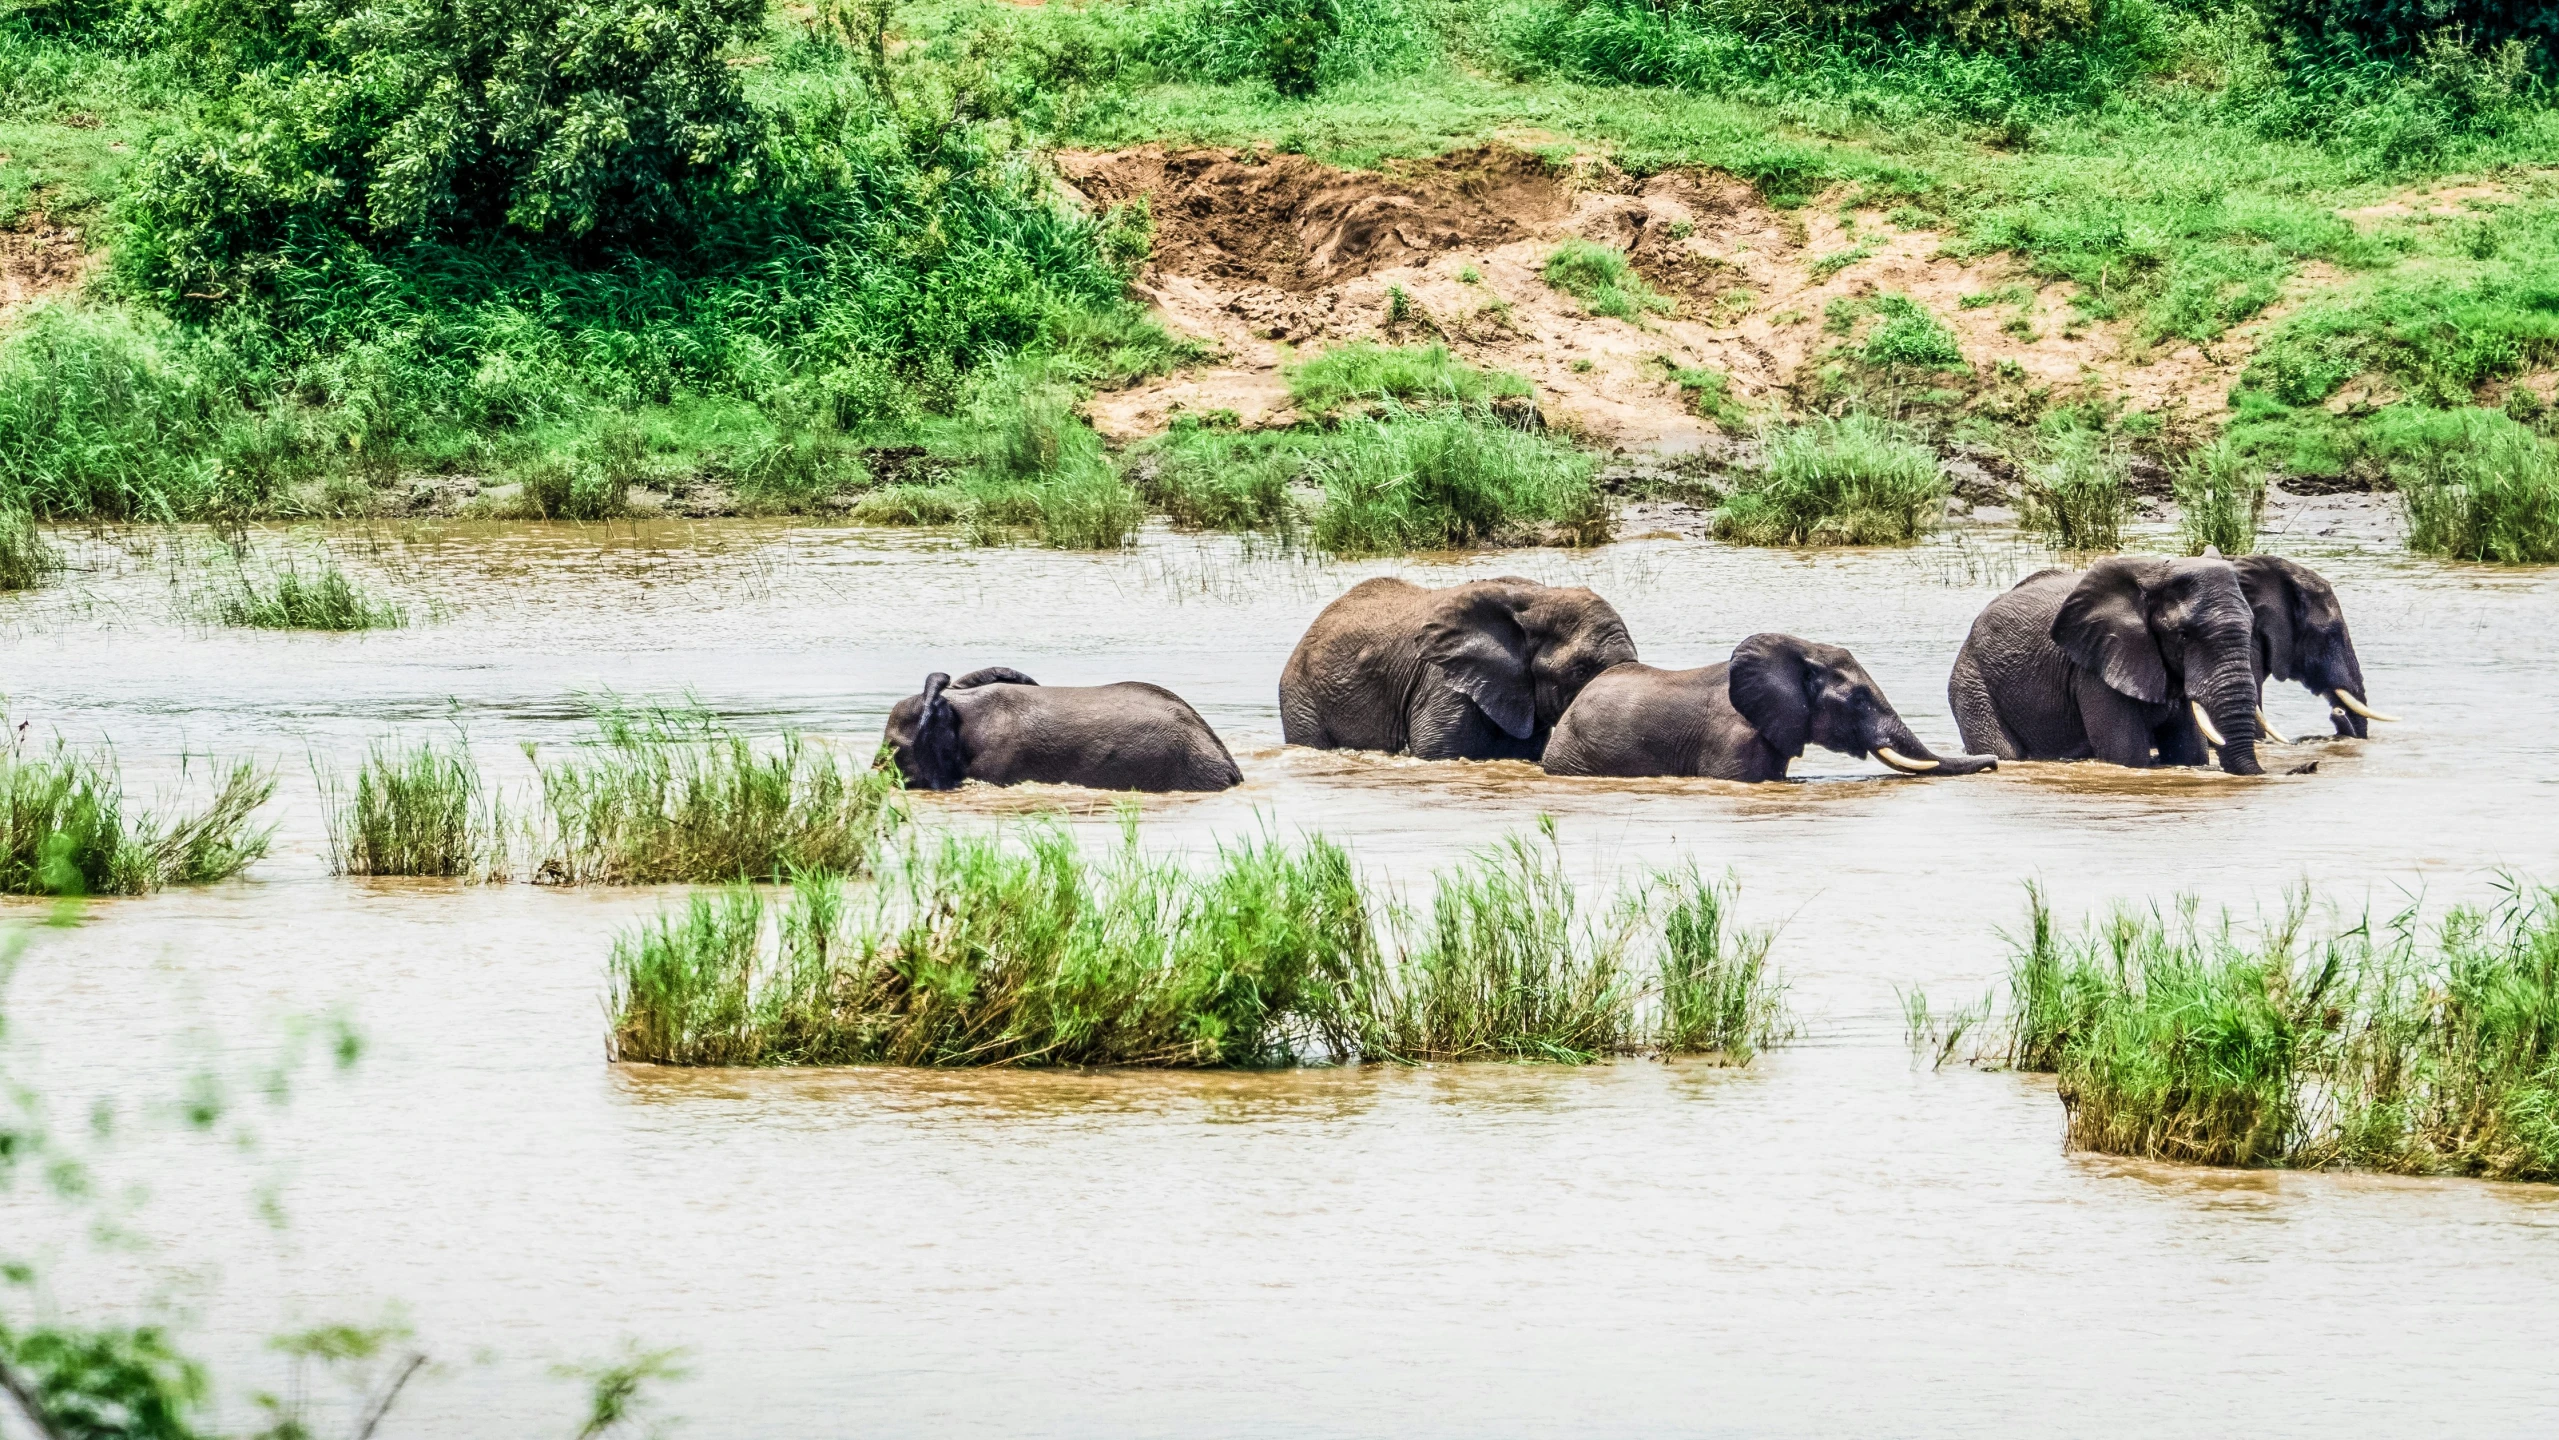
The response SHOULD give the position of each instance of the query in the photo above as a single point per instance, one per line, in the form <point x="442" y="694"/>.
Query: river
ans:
<point x="1832" y="1241"/>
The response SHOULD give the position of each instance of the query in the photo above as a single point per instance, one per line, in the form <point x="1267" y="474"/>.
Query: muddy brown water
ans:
<point x="1827" y="1242"/>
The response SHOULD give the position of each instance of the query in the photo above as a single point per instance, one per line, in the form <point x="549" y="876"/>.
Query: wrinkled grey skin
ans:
<point x="1004" y="728"/>
<point x="1479" y="671"/>
<point x="2301" y="635"/>
<point x="1746" y="719"/>
<point x="2102" y="664"/>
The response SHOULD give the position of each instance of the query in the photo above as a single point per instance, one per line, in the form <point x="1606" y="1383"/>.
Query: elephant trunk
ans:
<point x="2229" y="702"/>
<point x="1895" y="745"/>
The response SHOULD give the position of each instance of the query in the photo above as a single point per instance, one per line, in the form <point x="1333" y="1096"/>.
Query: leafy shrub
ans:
<point x="1835" y="482"/>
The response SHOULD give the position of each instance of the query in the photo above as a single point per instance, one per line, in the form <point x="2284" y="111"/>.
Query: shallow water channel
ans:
<point x="1828" y="1242"/>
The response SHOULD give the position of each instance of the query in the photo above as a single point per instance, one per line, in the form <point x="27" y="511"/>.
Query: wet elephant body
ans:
<point x="2138" y="661"/>
<point x="1001" y="727"/>
<point x="1478" y="671"/>
<point x="1745" y="719"/>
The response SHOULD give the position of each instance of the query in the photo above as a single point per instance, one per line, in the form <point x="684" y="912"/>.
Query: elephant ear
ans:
<point x="1476" y="640"/>
<point x="2104" y="626"/>
<point x="1772" y="687"/>
<point x="992" y="675"/>
<point x="940" y="763"/>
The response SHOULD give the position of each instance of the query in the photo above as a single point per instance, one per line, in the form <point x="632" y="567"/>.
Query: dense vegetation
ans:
<point x="2371" y="1046"/>
<point x="814" y="258"/>
<point x="981" y="951"/>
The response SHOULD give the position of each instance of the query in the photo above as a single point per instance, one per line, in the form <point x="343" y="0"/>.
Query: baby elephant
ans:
<point x="1005" y="728"/>
<point x="1746" y="719"/>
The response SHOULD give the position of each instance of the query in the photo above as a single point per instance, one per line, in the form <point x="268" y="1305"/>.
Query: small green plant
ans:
<point x="1825" y="266"/>
<point x="2075" y="493"/>
<point x="1717" y="993"/>
<point x="1604" y="282"/>
<point x="286" y="600"/>
<point x="2221" y="499"/>
<point x="1907" y="336"/>
<point x="414" y="810"/>
<point x="27" y="558"/>
<point x="669" y="796"/>
<point x="65" y="828"/>
<point x="1835" y="482"/>
<point x="1708" y="392"/>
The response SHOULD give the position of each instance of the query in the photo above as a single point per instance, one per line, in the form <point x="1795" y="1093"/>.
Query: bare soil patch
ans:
<point x="1264" y="254"/>
<point x="40" y="261"/>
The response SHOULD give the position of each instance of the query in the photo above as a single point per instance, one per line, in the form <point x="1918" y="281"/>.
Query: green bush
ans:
<point x="2075" y="493"/>
<point x="2493" y="497"/>
<point x="1442" y="482"/>
<point x="65" y="828"/>
<point x="27" y="559"/>
<point x="1856" y="481"/>
<point x="2221" y="499"/>
<point x="1208" y="478"/>
<point x="1297" y="46"/>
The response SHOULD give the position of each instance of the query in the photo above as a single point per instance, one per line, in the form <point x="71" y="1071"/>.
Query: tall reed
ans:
<point x="982" y="951"/>
<point x="65" y="828"/>
<point x="2221" y="501"/>
<point x="2368" y="1046"/>
<point x="414" y="810"/>
<point x="1856" y="481"/>
<point x="287" y="600"/>
<point x="667" y="795"/>
<point x="27" y="558"/>
<point x="2075" y="494"/>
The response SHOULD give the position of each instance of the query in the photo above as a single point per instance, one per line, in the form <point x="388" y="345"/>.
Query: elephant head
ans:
<point x="2301" y="635"/>
<point x="2171" y="632"/>
<point x="1521" y="651"/>
<point x="1795" y="693"/>
<point x="923" y="734"/>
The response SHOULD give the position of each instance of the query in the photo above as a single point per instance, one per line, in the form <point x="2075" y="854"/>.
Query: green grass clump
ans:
<point x="27" y="559"/>
<point x="415" y="810"/>
<point x="328" y="600"/>
<point x="980" y="951"/>
<point x="1410" y="375"/>
<point x="2370" y="1047"/>
<point x="2221" y="499"/>
<point x="1448" y="481"/>
<point x="2492" y="496"/>
<point x="65" y="828"/>
<point x="1205" y="477"/>
<point x="1508" y="968"/>
<point x="1604" y="282"/>
<point x="2075" y="494"/>
<point x="670" y="796"/>
<point x="1717" y="993"/>
<point x="1835" y="482"/>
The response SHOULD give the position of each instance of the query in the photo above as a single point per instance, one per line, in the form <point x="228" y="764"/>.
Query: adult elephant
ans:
<point x="2301" y="636"/>
<point x="1745" y="719"/>
<point x="1479" y="671"/>
<point x="1005" y="728"/>
<point x="2137" y="661"/>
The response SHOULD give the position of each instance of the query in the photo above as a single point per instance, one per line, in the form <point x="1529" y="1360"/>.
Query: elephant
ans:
<point x="1478" y="671"/>
<point x="2138" y="661"/>
<point x="2301" y="636"/>
<point x="1002" y="727"/>
<point x="1745" y="719"/>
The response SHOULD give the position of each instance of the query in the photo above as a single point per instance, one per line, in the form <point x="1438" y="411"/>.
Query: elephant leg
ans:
<point x="2179" y="742"/>
<point x="1446" y="726"/>
<point x="1977" y="715"/>
<point x="2119" y="727"/>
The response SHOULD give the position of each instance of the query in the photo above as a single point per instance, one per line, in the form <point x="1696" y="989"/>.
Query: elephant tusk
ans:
<point x="2266" y="728"/>
<point x="2203" y="722"/>
<point x="2347" y="699"/>
<point x="1904" y="763"/>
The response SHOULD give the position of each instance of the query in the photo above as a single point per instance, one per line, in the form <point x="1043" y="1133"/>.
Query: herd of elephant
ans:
<point x="2138" y="661"/>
